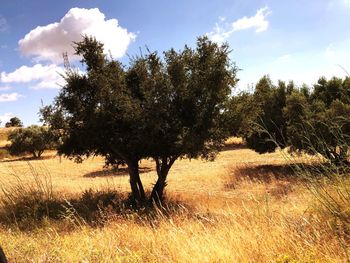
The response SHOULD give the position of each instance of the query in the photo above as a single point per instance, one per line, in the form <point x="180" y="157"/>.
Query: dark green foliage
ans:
<point x="242" y="111"/>
<point x="320" y="123"/>
<point x="314" y="121"/>
<point x="157" y="108"/>
<point x="34" y="140"/>
<point x="14" y="122"/>
<point x="259" y="115"/>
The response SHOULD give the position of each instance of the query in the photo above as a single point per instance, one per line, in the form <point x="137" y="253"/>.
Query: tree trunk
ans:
<point x="157" y="194"/>
<point x="40" y="153"/>
<point x="2" y="256"/>
<point x="163" y="166"/>
<point x="138" y="192"/>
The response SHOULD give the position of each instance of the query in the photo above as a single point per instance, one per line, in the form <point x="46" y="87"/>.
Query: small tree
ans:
<point x="34" y="140"/>
<point x="14" y="122"/>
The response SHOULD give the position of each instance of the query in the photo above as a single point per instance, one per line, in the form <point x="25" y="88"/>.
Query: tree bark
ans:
<point x="2" y="256"/>
<point x="157" y="194"/>
<point x="163" y="166"/>
<point x="137" y="189"/>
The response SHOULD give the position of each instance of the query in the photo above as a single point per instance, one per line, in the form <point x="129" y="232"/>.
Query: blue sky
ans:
<point x="299" y="40"/>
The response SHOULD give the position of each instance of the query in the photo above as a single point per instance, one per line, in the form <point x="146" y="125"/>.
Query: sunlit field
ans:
<point x="243" y="207"/>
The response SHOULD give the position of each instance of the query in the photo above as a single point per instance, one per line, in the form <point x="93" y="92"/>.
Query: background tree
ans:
<point x="314" y="121"/>
<point x="161" y="109"/>
<point x="14" y="122"/>
<point x="319" y="123"/>
<point x="260" y="115"/>
<point x="34" y="140"/>
<point x="241" y="112"/>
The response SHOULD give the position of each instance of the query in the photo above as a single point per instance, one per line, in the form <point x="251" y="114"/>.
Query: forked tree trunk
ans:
<point x="157" y="194"/>
<point x="163" y="166"/>
<point x="137" y="189"/>
<point x="2" y="256"/>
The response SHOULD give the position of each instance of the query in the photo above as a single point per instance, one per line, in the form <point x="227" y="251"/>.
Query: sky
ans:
<point x="298" y="40"/>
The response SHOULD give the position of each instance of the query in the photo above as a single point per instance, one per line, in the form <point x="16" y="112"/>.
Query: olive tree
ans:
<point x="163" y="108"/>
<point x="33" y="139"/>
<point x="319" y="123"/>
<point x="315" y="121"/>
<point x="259" y="116"/>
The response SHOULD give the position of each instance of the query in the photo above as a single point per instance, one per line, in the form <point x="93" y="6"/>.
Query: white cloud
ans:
<point x="6" y="97"/>
<point x="6" y="117"/>
<point x="258" y="21"/>
<point x="47" y="43"/>
<point x="3" y="24"/>
<point x="222" y="31"/>
<point x="38" y="75"/>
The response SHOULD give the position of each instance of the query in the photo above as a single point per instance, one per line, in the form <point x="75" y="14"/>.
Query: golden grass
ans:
<point x="4" y="132"/>
<point x="239" y="209"/>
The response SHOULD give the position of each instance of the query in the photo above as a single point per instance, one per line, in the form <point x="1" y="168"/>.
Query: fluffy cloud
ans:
<point x="38" y="75"/>
<point x="258" y="21"/>
<point x="47" y="43"/>
<point x="222" y="30"/>
<point x="6" y="97"/>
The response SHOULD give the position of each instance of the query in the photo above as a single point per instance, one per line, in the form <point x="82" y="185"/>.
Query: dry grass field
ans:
<point x="243" y="207"/>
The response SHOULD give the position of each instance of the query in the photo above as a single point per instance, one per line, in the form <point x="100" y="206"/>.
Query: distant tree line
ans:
<point x="313" y="120"/>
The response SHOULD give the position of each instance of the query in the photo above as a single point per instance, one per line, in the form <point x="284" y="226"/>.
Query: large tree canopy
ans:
<point x="161" y="108"/>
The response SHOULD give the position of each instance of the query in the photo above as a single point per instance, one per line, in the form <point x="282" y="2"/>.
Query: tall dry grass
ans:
<point x="243" y="207"/>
